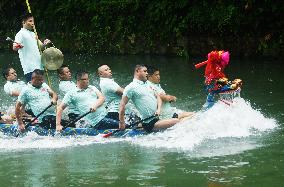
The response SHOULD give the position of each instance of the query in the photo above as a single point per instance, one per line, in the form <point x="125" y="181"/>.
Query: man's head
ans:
<point x="104" y="71"/>
<point x="153" y="74"/>
<point x="28" y="21"/>
<point x="140" y="72"/>
<point x="64" y="73"/>
<point x="82" y="78"/>
<point x="10" y="74"/>
<point x="37" y="78"/>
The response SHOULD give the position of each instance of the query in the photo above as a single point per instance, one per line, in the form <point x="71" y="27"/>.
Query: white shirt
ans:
<point x="64" y="87"/>
<point x="12" y="86"/>
<point x="29" y="55"/>
<point x="109" y="88"/>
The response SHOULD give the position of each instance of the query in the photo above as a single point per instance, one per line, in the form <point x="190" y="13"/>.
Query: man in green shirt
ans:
<point x="38" y="97"/>
<point x="111" y="90"/>
<point x="145" y="100"/>
<point x="85" y="98"/>
<point x="13" y="86"/>
<point x="65" y="85"/>
<point x="167" y="110"/>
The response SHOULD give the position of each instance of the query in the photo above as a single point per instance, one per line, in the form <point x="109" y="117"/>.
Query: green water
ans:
<point x="253" y="160"/>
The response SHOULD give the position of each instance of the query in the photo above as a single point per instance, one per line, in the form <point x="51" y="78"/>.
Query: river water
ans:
<point x="237" y="145"/>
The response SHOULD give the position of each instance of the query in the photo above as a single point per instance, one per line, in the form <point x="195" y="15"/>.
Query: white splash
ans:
<point x="224" y="122"/>
<point x="34" y="141"/>
<point x="221" y="127"/>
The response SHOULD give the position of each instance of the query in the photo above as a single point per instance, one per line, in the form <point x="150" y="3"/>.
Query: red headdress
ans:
<point x="217" y="61"/>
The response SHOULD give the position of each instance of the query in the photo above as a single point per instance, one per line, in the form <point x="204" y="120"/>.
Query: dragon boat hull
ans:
<point x="227" y="97"/>
<point x="12" y="130"/>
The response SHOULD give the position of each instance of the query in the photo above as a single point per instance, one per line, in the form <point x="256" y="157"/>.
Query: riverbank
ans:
<point x="187" y="47"/>
<point x="183" y="28"/>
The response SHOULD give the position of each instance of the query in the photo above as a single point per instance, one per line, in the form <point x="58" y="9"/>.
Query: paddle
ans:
<point x="128" y="126"/>
<point x="39" y="115"/>
<point x="27" y="125"/>
<point x="77" y="119"/>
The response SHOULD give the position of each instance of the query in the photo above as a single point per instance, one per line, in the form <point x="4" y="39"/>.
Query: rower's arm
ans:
<point x="168" y="98"/>
<point x="59" y="112"/>
<point x="53" y="96"/>
<point x="11" y="91"/>
<point x="18" y="112"/>
<point x="123" y="103"/>
<point x="119" y="91"/>
<point x="100" y="101"/>
<point x="15" y="93"/>
<point x="159" y="104"/>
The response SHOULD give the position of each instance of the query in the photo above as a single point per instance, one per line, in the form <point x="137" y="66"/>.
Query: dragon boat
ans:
<point x="228" y="97"/>
<point x="12" y="130"/>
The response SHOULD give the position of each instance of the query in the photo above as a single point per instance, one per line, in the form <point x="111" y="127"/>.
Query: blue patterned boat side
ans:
<point x="9" y="129"/>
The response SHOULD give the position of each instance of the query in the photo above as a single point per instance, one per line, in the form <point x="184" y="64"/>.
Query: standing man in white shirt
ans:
<point x="27" y="44"/>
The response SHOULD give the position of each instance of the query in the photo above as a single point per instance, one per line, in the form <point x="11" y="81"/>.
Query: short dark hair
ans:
<point x="139" y="66"/>
<point x="80" y="73"/>
<point x="60" y="70"/>
<point x="151" y="70"/>
<point x="38" y="72"/>
<point x="6" y="72"/>
<point x="26" y="16"/>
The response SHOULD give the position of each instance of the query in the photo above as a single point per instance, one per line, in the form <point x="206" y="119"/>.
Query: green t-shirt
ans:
<point x="37" y="99"/>
<point x="109" y="88"/>
<point x="64" y="87"/>
<point x="142" y="97"/>
<point x="83" y="100"/>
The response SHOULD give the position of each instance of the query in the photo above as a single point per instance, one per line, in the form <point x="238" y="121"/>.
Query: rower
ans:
<point x="145" y="100"/>
<point x="85" y="98"/>
<point x="167" y="110"/>
<point x="111" y="90"/>
<point x="66" y="84"/>
<point x="13" y="86"/>
<point x="38" y="96"/>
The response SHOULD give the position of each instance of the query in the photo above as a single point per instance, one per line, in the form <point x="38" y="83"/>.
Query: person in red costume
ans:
<point x="215" y="78"/>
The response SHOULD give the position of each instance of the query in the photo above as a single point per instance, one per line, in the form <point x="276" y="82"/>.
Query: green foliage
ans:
<point x="149" y="26"/>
